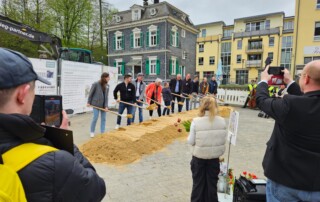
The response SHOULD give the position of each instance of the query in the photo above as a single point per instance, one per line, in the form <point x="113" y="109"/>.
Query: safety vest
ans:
<point x="272" y="90"/>
<point x="251" y="87"/>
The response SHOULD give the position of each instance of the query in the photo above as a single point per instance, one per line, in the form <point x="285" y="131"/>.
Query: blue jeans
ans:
<point x="280" y="193"/>
<point x="95" y="119"/>
<point x="140" y="112"/>
<point x="122" y="107"/>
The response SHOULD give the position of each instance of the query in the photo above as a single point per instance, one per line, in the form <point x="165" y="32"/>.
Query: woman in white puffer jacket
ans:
<point x="208" y="137"/>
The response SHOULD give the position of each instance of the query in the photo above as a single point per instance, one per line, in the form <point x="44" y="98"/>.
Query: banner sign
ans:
<point x="233" y="127"/>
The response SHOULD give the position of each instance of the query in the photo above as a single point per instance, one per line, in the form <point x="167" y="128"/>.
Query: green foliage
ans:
<point x="234" y="87"/>
<point x="186" y="125"/>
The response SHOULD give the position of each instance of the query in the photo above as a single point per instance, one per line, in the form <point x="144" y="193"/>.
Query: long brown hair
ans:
<point x="103" y="81"/>
<point x="209" y="104"/>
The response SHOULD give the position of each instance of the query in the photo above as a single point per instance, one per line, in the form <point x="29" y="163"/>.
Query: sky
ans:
<point x="204" y="11"/>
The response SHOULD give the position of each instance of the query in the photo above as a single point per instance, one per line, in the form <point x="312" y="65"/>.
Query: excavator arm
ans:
<point x="24" y="31"/>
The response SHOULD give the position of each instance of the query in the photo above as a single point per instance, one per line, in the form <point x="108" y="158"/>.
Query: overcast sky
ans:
<point x="203" y="11"/>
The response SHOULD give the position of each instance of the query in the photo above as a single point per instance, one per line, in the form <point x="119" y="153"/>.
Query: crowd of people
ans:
<point x="42" y="172"/>
<point x="133" y="95"/>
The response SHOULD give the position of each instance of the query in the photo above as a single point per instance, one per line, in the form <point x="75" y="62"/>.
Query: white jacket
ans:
<point x="207" y="137"/>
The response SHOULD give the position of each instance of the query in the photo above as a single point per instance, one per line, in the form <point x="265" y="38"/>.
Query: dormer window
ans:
<point x="153" y="11"/>
<point x="116" y="18"/>
<point x="136" y="14"/>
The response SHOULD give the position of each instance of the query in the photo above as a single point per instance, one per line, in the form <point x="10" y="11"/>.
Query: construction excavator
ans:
<point x="57" y="51"/>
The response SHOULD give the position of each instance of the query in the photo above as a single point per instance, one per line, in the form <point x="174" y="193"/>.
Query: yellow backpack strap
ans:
<point x="20" y="156"/>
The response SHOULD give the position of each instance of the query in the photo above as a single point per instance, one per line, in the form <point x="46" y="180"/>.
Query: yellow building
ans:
<point x="243" y="47"/>
<point x="307" y="33"/>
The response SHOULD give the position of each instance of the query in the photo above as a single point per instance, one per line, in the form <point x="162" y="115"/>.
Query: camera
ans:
<point x="277" y="76"/>
<point x="47" y="109"/>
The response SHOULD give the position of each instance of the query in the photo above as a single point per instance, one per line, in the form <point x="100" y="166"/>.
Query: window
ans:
<point x="120" y="65"/>
<point x="242" y="77"/>
<point x="136" y="38"/>
<point x="204" y="33"/>
<point x="317" y="31"/>
<point x="174" y="37"/>
<point x="184" y="55"/>
<point x="153" y="66"/>
<point x="136" y="15"/>
<point x="271" y="41"/>
<point x="211" y="60"/>
<point x="286" y="52"/>
<point x="227" y="32"/>
<point x="239" y="46"/>
<point x="183" y="33"/>
<point x="254" y="57"/>
<point x="152" y="36"/>
<point x="226" y="61"/>
<point x="255" y="26"/>
<point x="307" y="60"/>
<point x="270" y="55"/>
<point x="255" y="45"/>
<point x="201" y="61"/>
<point x="288" y="25"/>
<point x="318" y="4"/>
<point x="174" y="66"/>
<point x="182" y="71"/>
<point x="239" y="59"/>
<point x="118" y="41"/>
<point x="208" y="75"/>
<point x="201" y="48"/>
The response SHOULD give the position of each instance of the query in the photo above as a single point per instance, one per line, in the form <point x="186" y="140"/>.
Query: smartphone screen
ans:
<point x="52" y="109"/>
<point x="276" y="70"/>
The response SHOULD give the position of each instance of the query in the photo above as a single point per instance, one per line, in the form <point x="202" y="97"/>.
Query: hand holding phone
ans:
<point x="277" y="77"/>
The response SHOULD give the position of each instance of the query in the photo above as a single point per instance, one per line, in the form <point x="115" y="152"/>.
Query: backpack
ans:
<point x="11" y="189"/>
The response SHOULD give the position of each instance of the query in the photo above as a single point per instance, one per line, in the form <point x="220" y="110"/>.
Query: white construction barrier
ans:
<point x="233" y="97"/>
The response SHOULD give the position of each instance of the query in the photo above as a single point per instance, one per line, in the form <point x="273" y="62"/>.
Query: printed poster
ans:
<point x="233" y="127"/>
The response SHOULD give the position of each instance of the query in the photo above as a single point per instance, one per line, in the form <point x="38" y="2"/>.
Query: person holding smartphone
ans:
<point x="56" y="175"/>
<point x="98" y="97"/>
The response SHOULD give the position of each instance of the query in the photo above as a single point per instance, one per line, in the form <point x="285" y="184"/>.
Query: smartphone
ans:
<point x="47" y="109"/>
<point x="276" y="70"/>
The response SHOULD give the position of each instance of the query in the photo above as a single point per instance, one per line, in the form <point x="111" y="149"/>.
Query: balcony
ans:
<point x="253" y="64"/>
<point x="254" y="49"/>
<point x="257" y="33"/>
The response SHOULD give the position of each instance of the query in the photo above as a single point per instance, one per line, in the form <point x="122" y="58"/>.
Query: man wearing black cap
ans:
<point x="127" y="95"/>
<point x="54" y="176"/>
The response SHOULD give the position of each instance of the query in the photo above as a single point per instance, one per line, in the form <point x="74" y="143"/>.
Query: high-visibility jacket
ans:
<point x="272" y="90"/>
<point x="251" y="87"/>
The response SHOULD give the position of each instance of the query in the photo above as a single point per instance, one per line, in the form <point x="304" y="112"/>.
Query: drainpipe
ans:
<point x="295" y="48"/>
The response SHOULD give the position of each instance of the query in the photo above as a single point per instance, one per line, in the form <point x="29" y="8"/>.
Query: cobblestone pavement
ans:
<point x="166" y="175"/>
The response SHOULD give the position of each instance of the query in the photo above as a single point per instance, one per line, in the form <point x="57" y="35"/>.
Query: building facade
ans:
<point x="243" y="47"/>
<point x="158" y="40"/>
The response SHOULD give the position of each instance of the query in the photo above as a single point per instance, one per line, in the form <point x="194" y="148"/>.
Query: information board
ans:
<point x="233" y="127"/>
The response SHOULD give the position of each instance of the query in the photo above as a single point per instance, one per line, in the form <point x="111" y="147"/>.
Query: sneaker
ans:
<point x="91" y="135"/>
<point x="117" y="127"/>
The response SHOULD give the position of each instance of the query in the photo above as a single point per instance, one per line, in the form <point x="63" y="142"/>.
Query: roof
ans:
<point x="163" y="9"/>
<point x="260" y="16"/>
<point x="211" y="23"/>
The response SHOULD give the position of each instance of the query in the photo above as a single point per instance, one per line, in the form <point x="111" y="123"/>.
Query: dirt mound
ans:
<point x="131" y="143"/>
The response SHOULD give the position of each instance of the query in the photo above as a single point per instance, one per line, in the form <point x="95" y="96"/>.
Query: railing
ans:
<point x="257" y="33"/>
<point x="232" y="97"/>
<point x="253" y="63"/>
<point x="254" y="49"/>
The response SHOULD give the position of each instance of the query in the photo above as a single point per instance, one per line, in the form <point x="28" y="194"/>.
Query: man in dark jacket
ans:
<point x="195" y="92"/>
<point x="55" y="176"/>
<point x="140" y="87"/>
<point x="176" y="88"/>
<point x="186" y="90"/>
<point x="291" y="162"/>
<point x="127" y="94"/>
<point x="213" y="86"/>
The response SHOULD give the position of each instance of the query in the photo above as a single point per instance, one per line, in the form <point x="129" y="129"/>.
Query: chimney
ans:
<point x="155" y="1"/>
<point x="145" y="2"/>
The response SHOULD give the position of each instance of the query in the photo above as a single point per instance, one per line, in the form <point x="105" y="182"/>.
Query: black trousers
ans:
<point x="159" y="109"/>
<point x="166" y="110"/>
<point x="205" y="178"/>
<point x="247" y="100"/>
<point x="174" y="98"/>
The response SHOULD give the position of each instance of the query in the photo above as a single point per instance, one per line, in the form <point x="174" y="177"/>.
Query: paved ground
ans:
<point x="166" y="175"/>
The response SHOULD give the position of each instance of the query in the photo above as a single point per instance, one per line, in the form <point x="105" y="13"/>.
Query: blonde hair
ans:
<point x="209" y="104"/>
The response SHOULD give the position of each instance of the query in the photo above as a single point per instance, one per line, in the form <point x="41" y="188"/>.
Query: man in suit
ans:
<point x="292" y="159"/>
<point x="176" y="87"/>
<point x="187" y="90"/>
<point x="140" y="86"/>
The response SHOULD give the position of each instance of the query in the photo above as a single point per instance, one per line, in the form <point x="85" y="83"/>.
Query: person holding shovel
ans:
<point x="98" y="97"/>
<point x="127" y="98"/>
<point x="153" y="93"/>
<point x="167" y="98"/>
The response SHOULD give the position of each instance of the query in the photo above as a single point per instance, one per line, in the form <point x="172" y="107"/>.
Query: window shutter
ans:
<point x="141" y="39"/>
<point x="115" y="63"/>
<point x="147" y="67"/>
<point x="147" y="39"/>
<point x="122" y="47"/>
<point x="177" y="39"/>
<point x="131" y="40"/>
<point x="177" y="67"/>
<point x="170" y="67"/>
<point x="158" y="36"/>
<point x="158" y="67"/>
<point x="171" y="34"/>
<point x="123" y="69"/>
<point x="114" y="42"/>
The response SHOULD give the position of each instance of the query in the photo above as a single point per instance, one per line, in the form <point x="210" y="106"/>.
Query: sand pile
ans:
<point x="130" y="143"/>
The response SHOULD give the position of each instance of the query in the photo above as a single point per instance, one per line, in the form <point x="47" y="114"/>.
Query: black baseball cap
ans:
<point x="16" y="69"/>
